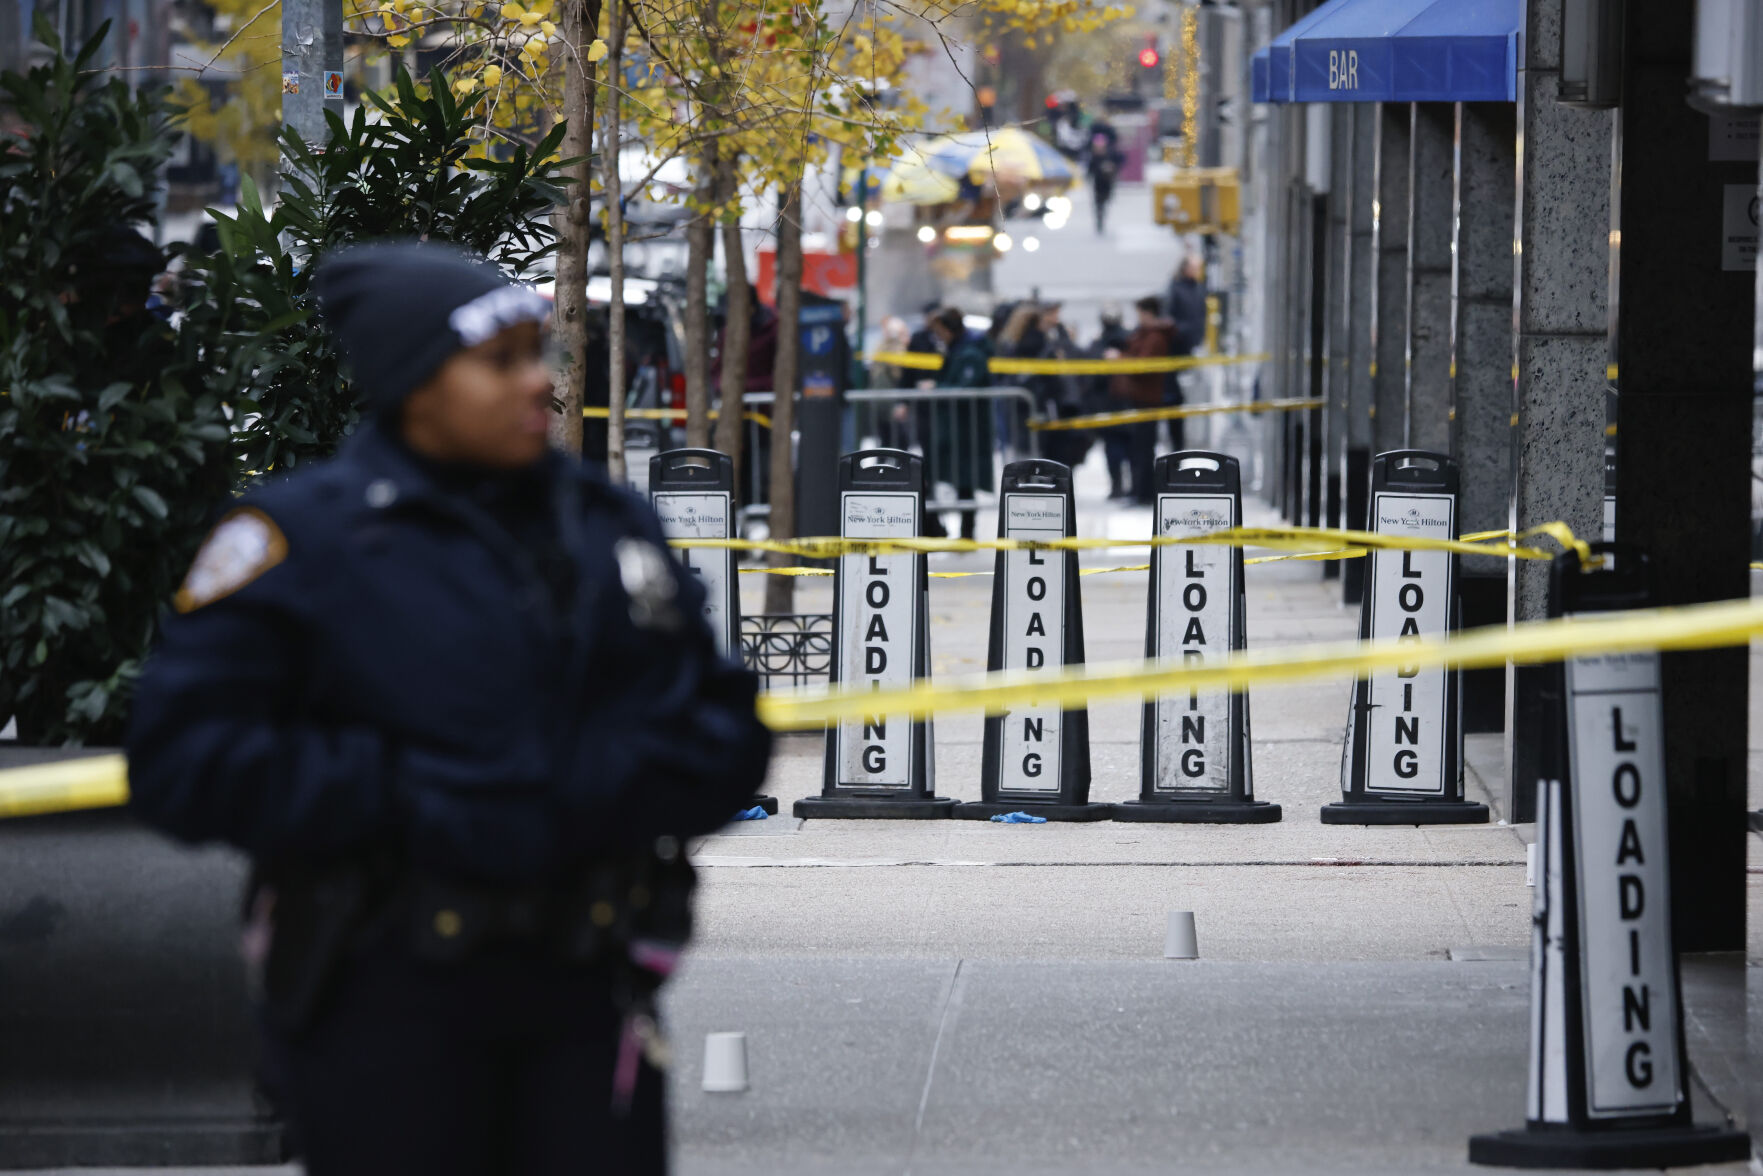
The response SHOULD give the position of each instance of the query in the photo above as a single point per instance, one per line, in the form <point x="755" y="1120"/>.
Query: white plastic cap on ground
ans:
<point x="725" y="1062"/>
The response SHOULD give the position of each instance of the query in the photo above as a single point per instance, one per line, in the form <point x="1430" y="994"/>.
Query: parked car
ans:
<point x="654" y="347"/>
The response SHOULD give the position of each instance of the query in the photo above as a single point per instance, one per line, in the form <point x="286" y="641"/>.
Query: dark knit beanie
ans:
<point x="400" y="310"/>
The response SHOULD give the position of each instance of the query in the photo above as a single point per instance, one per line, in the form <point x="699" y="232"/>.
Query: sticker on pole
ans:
<point x="1627" y="972"/>
<point x="703" y="514"/>
<point x="1034" y="639"/>
<point x="1411" y="599"/>
<point x="1193" y="623"/>
<point x="878" y="607"/>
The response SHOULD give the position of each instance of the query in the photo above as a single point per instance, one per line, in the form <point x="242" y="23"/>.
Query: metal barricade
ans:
<point x="787" y="649"/>
<point x="959" y="432"/>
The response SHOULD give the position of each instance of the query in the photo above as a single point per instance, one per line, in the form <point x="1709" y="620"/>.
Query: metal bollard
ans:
<point x="880" y="765"/>
<point x="1194" y="746"/>
<point x="692" y="491"/>
<point x="1609" y="1076"/>
<point x="1403" y="760"/>
<point x="1036" y="758"/>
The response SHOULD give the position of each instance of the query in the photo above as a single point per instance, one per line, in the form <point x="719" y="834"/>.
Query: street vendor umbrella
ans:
<point x="1009" y="159"/>
<point x="908" y="180"/>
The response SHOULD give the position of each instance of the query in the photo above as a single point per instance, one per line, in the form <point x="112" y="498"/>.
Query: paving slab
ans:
<point x="1120" y="1067"/>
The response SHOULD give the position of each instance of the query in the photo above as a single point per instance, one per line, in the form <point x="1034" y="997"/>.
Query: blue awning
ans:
<point x="1258" y="76"/>
<point x="1279" y="54"/>
<point x="1399" y="51"/>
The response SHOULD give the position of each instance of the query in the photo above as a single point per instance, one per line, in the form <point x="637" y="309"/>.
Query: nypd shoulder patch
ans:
<point x="243" y="545"/>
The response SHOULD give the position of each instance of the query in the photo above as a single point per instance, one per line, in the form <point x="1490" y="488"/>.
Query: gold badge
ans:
<point x="244" y="545"/>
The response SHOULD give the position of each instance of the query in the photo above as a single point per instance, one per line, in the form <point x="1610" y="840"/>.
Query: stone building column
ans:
<point x="1481" y="371"/>
<point x="1361" y="266"/>
<point x="1427" y="368"/>
<point x="1389" y="290"/>
<point x="1561" y="310"/>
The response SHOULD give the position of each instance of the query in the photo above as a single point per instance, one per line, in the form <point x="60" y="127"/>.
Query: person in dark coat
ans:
<point x="761" y="345"/>
<point x="1185" y="306"/>
<point x="960" y="437"/>
<point x="1058" y="396"/>
<point x="456" y="700"/>
<point x="1099" y="396"/>
<point x="1103" y="160"/>
<point x="1153" y="337"/>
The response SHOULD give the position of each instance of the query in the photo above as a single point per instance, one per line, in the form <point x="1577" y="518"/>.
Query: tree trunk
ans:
<point x="574" y="221"/>
<point x="736" y="337"/>
<point x="614" y="196"/>
<point x="700" y="244"/>
<point x="780" y="591"/>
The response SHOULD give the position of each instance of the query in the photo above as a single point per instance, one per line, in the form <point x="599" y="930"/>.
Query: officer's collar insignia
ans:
<point x="647" y="575"/>
<point x="243" y="546"/>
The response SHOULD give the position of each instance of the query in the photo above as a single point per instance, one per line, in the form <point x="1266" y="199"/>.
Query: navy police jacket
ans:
<point x="365" y="658"/>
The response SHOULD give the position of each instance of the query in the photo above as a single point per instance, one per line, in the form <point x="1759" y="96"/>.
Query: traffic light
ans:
<point x="1148" y="55"/>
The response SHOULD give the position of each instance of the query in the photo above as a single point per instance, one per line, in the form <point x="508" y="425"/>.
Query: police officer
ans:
<point x="456" y="701"/>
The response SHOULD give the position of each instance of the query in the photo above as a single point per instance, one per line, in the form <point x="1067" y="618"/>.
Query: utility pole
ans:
<point x="312" y="65"/>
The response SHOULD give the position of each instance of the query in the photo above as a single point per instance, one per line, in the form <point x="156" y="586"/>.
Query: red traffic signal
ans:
<point x="1148" y="57"/>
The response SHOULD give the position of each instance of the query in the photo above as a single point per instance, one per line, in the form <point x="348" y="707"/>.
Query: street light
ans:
<point x="1031" y="202"/>
<point x="1002" y="242"/>
<point x="1030" y="244"/>
<point x="873" y="218"/>
<point x="926" y="234"/>
<point x="853" y="214"/>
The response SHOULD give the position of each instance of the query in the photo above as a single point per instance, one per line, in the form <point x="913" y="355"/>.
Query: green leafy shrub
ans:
<point x="114" y="444"/>
<point x="406" y="175"/>
<point x="121" y="436"/>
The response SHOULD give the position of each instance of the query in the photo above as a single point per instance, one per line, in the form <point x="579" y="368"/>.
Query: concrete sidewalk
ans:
<point x="968" y="997"/>
<point x="963" y="997"/>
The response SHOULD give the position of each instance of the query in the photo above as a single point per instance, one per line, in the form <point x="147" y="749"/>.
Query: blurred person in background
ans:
<point x="1151" y="338"/>
<point x="1109" y="343"/>
<point x="959" y="441"/>
<point x="894" y="426"/>
<point x="1103" y="160"/>
<point x="1184" y="303"/>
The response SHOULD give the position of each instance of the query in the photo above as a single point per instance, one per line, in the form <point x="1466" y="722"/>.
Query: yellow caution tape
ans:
<point x="1474" y="543"/>
<point x="1106" y="420"/>
<point x="1336" y="553"/>
<point x="596" y="412"/>
<point x="1701" y="626"/>
<point x="922" y="361"/>
<point x="100" y="781"/>
<point x="1124" y="366"/>
<point x="925" y="361"/>
<point x="798" y="571"/>
<point x="1318" y="542"/>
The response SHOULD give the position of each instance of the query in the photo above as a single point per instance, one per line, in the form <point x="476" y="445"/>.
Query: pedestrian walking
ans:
<point x="456" y="700"/>
<point x="1152" y="337"/>
<point x="1103" y="164"/>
